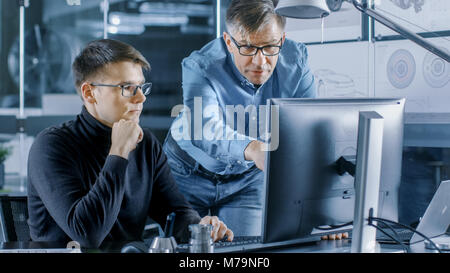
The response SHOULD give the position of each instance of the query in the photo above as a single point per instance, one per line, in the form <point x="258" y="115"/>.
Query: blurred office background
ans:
<point x="349" y="54"/>
<point x="56" y="30"/>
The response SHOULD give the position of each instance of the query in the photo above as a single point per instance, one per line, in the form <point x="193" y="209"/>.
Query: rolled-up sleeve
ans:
<point x="217" y="139"/>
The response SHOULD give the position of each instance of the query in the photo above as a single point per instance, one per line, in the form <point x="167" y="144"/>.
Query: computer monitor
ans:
<point x="303" y="189"/>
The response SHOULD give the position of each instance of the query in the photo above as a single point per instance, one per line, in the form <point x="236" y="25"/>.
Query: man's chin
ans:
<point x="258" y="79"/>
<point x="132" y="118"/>
<point x="135" y="119"/>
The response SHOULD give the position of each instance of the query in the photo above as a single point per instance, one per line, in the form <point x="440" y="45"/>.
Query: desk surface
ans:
<point x="324" y="246"/>
<point x="344" y="246"/>
<point x="110" y="247"/>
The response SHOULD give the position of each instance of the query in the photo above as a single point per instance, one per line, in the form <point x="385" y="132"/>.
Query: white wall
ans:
<point x="396" y="68"/>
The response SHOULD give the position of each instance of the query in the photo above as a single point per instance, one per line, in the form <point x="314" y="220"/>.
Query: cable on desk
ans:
<point x="407" y="227"/>
<point x="392" y="229"/>
<point x="405" y="248"/>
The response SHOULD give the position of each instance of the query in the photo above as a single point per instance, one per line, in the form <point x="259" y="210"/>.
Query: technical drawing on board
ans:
<point x="331" y="84"/>
<point x="401" y="68"/>
<point x="406" y="4"/>
<point x="420" y="16"/>
<point x="436" y="71"/>
<point x="340" y="74"/>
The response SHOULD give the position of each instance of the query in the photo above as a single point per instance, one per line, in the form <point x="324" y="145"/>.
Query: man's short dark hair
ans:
<point x="99" y="53"/>
<point x="250" y="16"/>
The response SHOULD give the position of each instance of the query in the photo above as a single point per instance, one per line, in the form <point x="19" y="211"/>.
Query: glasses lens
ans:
<point x="128" y="90"/>
<point x="271" y="50"/>
<point x="131" y="90"/>
<point x="146" y="88"/>
<point x="247" y="50"/>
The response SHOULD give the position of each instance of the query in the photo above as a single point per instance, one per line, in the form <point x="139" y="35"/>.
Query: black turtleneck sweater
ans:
<point x="76" y="191"/>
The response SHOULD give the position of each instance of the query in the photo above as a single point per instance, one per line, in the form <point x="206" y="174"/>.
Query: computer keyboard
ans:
<point x="237" y="241"/>
<point x="404" y="235"/>
<point x="253" y="243"/>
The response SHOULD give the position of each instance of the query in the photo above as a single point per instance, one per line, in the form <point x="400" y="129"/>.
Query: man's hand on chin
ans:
<point x="125" y="136"/>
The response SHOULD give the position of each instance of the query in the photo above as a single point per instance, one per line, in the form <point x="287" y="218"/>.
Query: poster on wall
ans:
<point x="419" y="16"/>
<point x="403" y="69"/>
<point x="340" y="69"/>
<point x="343" y="23"/>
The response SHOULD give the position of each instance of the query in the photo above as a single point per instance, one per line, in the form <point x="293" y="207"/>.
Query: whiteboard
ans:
<point x="419" y="16"/>
<point x="403" y="69"/>
<point x="340" y="69"/>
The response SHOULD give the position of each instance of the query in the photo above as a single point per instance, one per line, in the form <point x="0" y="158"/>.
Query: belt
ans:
<point x="200" y="170"/>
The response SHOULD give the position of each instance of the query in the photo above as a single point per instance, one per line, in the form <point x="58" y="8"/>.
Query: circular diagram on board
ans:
<point x="401" y="68"/>
<point x="436" y="71"/>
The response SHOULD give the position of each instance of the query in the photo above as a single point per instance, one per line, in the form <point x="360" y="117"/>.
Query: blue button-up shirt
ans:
<point x="212" y="84"/>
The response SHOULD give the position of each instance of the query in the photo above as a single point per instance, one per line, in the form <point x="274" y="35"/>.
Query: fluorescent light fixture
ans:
<point x="197" y="10"/>
<point x="114" y="19"/>
<point x="147" y="19"/>
<point x="126" y="29"/>
<point x="113" y="29"/>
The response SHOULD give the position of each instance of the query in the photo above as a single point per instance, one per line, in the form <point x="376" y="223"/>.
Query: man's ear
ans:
<point x="227" y="40"/>
<point x="87" y="92"/>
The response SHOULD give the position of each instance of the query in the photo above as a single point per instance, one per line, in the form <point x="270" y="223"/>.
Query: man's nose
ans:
<point x="139" y="97"/>
<point x="259" y="58"/>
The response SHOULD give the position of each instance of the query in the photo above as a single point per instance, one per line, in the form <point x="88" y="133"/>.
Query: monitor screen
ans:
<point x="303" y="189"/>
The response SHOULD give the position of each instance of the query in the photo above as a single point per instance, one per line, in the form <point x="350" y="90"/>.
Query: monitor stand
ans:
<point x="367" y="181"/>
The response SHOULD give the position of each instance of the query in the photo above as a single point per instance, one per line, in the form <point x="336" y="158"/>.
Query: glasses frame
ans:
<point x="123" y="86"/>
<point x="257" y="48"/>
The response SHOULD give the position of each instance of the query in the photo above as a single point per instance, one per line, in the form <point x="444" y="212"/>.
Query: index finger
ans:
<point x="141" y="134"/>
<point x="205" y="220"/>
<point x="216" y="225"/>
<point x="230" y="235"/>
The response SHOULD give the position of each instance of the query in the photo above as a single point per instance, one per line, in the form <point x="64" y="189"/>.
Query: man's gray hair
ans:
<point x="251" y="16"/>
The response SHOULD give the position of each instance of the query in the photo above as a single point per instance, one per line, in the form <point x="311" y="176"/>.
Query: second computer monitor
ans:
<point x="303" y="189"/>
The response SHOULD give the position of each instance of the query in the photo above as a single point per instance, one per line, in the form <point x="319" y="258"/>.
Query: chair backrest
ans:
<point x="13" y="219"/>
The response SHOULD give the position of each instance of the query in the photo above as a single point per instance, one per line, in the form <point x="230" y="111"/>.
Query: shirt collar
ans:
<point x="93" y="126"/>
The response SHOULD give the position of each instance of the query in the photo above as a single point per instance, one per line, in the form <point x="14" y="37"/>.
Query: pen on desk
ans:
<point x="168" y="229"/>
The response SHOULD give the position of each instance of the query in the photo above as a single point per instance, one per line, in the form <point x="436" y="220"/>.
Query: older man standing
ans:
<point x="219" y="167"/>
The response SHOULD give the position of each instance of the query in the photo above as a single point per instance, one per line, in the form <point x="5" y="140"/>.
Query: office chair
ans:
<point x="13" y="219"/>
